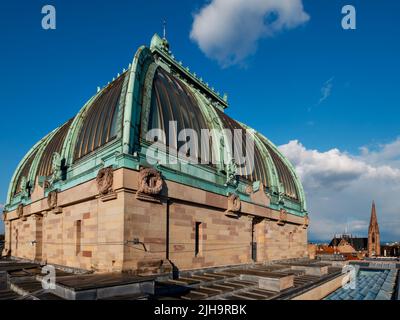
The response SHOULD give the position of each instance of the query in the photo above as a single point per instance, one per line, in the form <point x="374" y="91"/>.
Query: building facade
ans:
<point x="93" y="194"/>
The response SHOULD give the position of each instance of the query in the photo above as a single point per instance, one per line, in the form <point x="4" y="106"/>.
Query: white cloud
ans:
<point x="340" y="188"/>
<point x="228" y="30"/>
<point x="326" y="90"/>
<point x="387" y="153"/>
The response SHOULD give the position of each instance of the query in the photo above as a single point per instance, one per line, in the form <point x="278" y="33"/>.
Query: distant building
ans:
<point x="391" y="250"/>
<point x="374" y="244"/>
<point x="358" y="244"/>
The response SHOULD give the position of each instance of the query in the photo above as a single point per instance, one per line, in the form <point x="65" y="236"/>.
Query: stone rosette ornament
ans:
<point x="150" y="181"/>
<point x="234" y="205"/>
<point x="150" y="184"/>
<point x="105" y="180"/>
<point x="282" y="217"/>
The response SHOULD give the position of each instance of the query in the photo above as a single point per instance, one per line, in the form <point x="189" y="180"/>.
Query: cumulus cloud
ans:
<point x="387" y="153"/>
<point x="340" y="188"/>
<point x="229" y="30"/>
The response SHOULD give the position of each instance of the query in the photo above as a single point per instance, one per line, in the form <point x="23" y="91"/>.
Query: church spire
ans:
<point x="374" y="247"/>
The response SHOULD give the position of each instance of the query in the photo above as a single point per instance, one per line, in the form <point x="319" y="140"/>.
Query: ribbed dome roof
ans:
<point x="154" y="90"/>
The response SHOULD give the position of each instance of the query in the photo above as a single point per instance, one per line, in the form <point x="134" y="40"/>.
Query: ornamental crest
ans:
<point x="105" y="180"/>
<point x="52" y="199"/>
<point x="150" y="181"/>
<point x="282" y="217"/>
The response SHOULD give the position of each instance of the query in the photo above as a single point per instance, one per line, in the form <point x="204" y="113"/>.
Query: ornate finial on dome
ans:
<point x="164" y="30"/>
<point x="160" y="43"/>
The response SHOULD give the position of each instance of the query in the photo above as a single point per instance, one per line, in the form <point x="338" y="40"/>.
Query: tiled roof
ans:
<point x="378" y="285"/>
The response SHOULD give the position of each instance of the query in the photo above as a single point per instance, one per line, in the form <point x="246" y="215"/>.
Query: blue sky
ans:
<point x="319" y="86"/>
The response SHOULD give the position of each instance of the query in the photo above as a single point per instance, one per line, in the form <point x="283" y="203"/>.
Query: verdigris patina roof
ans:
<point x="111" y="130"/>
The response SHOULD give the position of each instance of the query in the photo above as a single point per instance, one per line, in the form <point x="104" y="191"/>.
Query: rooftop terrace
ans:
<point x="285" y="280"/>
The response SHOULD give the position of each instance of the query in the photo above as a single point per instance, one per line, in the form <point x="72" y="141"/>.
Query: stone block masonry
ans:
<point x="182" y="228"/>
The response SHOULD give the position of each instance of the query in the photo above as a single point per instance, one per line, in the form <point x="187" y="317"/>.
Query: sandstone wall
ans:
<point x="125" y="231"/>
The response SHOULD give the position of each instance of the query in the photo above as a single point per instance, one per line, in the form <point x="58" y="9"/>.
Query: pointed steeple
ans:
<point x="374" y="247"/>
<point x="373" y="223"/>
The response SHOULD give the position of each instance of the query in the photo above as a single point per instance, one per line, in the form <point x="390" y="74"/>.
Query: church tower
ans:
<point x="374" y="247"/>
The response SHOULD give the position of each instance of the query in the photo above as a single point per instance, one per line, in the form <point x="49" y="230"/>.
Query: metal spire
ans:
<point x="164" y="29"/>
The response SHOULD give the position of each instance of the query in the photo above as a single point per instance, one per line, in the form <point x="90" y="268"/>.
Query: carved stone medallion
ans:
<point x="52" y="199"/>
<point x="150" y="181"/>
<point x="282" y="217"/>
<point x="105" y="180"/>
<point x="234" y="205"/>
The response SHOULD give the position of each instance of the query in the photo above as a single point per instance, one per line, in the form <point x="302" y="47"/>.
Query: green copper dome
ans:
<point x="110" y="130"/>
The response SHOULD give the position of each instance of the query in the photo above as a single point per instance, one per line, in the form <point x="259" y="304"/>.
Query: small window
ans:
<point x="198" y="239"/>
<point x="78" y="236"/>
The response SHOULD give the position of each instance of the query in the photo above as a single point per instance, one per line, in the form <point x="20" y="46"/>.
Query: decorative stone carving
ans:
<point x="150" y="184"/>
<point x="4" y="216"/>
<point x="306" y="222"/>
<point x="231" y="173"/>
<point x="20" y="211"/>
<point x="23" y="184"/>
<point x="52" y="199"/>
<point x="150" y="181"/>
<point x="105" y="180"/>
<point x="56" y="168"/>
<point x="234" y="205"/>
<point x="46" y="184"/>
<point x="282" y="217"/>
<point x="249" y="189"/>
